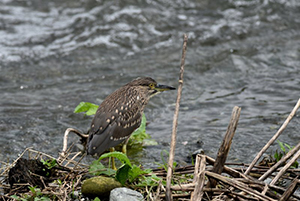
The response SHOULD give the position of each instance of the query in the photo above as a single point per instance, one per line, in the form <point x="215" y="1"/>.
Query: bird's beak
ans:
<point x="161" y="88"/>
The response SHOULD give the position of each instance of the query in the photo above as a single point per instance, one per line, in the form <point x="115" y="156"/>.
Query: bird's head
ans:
<point x="149" y="86"/>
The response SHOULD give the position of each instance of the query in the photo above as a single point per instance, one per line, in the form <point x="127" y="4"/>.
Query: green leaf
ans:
<point x="96" y="165"/>
<point x="276" y="156"/>
<point x="122" y="173"/>
<point x="152" y="180"/>
<point x="97" y="168"/>
<point x="15" y="197"/>
<point x="50" y="163"/>
<point x="88" y="108"/>
<point x="96" y="199"/>
<point x="119" y="155"/>
<point x="59" y="182"/>
<point x="295" y="164"/>
<point x="32" y="189"/>
<point x="139" y="135"/>
<point x="149" y="142"/>
<point x="165" y="163"/>
<point x="281" y="146"/>
<point x="135" y="172"/>
<point x="288" y="146"/>
<point x="42" y="199"/>
<point x="143" y="123"/>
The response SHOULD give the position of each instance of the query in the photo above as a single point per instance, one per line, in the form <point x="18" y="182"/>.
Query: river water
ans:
<point x="55" y="54"/>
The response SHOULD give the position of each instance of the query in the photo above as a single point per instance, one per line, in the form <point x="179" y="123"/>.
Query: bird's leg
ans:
<point x="124" y="147"/>
<point x="113" y="165"/>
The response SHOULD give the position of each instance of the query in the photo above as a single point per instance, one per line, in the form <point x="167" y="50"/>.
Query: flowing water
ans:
<point x="55" y="54"/>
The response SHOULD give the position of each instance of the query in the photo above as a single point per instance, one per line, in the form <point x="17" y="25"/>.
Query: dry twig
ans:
<point x="65" y="142"/>
<point x="175" y="122"/>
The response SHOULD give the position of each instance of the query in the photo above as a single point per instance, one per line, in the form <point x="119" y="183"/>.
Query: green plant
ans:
<point x="140" y="137"/>
<point x="15" y="197"/>
<point x="97" y="168"/>
<point x="126" y="172"/>
<point x="136" y="172"/>
<point x="35" y="191"/>
<point x="164" y="163"/>
<point x="37" y="195"/>
<point x="151" y="180"/>
<point x="59" y="182"/>
<point x="119" y="155"/>
<point x="50" y="163"/>
<point x="88" y="108"/>
<point x="285" y="148"/>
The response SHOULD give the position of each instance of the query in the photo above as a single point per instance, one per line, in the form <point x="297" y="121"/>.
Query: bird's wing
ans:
<point x="109" y="131"/>
<point x="99" y="123"/>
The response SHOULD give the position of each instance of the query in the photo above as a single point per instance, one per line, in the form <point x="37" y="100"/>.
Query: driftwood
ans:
<point x="199" y="178"/>
<point x="225" y="147"/>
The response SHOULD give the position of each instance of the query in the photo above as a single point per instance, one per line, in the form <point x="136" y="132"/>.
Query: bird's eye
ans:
<point x="151" y="85"/>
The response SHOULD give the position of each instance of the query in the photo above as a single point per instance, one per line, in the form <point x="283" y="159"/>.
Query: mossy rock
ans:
<point x="99" y="186"/>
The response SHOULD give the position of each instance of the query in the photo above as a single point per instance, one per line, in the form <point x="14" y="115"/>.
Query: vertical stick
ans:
<point x="175" y="122"/>
<point x="281" y="129"/>
<point x="225" y="147"/>
<point x="196" y="168"/>
<point x="199" y="178"/>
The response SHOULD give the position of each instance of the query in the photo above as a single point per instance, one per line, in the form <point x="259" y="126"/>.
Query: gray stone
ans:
<point x="125" y="194"/>
<point x="199" y="151"/>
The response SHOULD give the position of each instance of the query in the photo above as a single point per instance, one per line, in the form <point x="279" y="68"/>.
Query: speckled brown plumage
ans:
<point x="121" y="113"/>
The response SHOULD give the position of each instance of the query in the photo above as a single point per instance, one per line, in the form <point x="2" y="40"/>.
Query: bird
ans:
<point x="120" y="114"/>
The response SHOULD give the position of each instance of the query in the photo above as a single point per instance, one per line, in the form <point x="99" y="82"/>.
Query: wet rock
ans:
<point x="199" y="151"/>
<point x="99" y="186"/>
<point x="125" y="194"/>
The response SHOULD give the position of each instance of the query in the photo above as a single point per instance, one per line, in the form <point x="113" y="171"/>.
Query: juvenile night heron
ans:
<point x="121" y="113"/>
